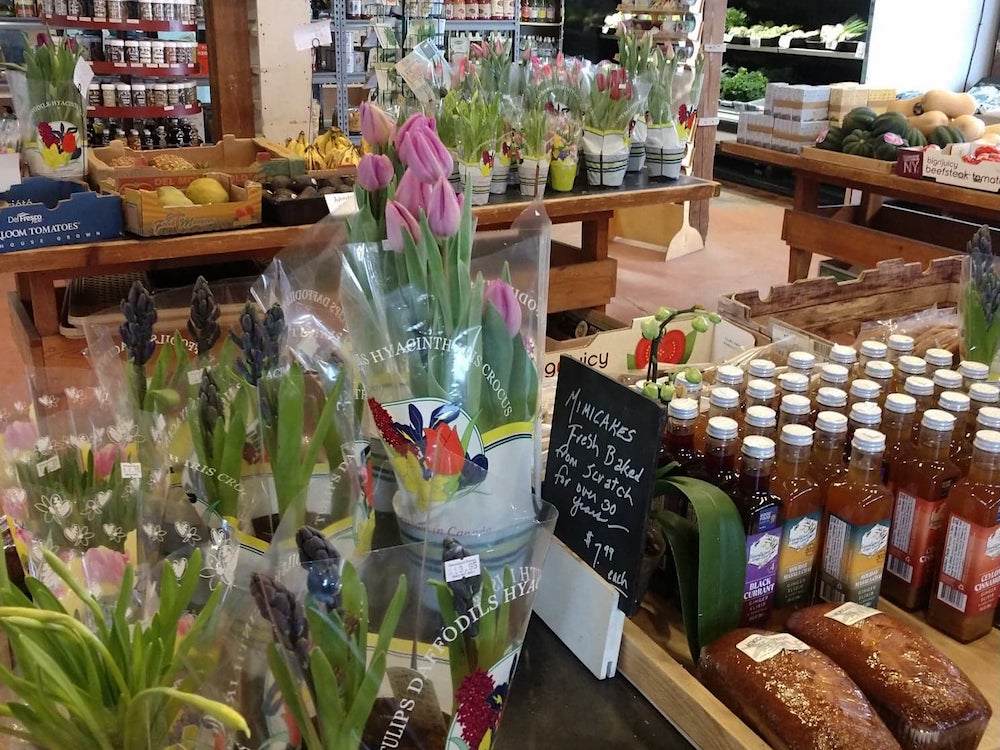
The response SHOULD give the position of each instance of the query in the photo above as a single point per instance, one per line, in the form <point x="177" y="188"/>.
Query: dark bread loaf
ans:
<point x="795" y="700"/>
<point x="925" y="700"/>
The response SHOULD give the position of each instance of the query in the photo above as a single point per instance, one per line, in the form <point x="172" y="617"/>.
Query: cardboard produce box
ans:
<point x="241" y="158"/>
<point x="952" y="165"/>
<point x="42" y="212"/>
<point x="802" y="102"/>
<point x="147" y="217"/>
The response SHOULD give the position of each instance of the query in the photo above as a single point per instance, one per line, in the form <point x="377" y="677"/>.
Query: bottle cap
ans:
<point x="938" y="358"/>
<point x="974" y="370"/>
<point x="723" y="428"/>
<point x="729" y="375"/>
<point x="878" y="368"/>
<point x="866" y="413"/>
<point x="796" y="434"/>
<point x="831" y="421"/>
<point x="869" y="441"/>
<point x="910" y="365"/>
<point x="724" y="397"/>
<point x="987" y="440"/>
<point x="690" y="389"/>
<point x="950" y="380"/>
<point x="935" y="419"/>
<point x="865" y="388"/>
<point x="833" y="373"/>
<point x="984" y="393"/>
<point x="954" y="401"/>
<point x="843" y="355"/>
<point x="832" y="397"/>
<point x="989" y="418"/>
<point x="682" y="408"/>
<point x="763" y="389"/>
<point x="758" y="446"/>
<point x="794" y="382"/>
<point x="801" y="360"/>
<point x="760" y="416"/>
<point x="900" y="403"/>
<point x="793" y="403"/>
<point x="900" y="342"/>
<point x="916" y="385"/>
<point x="761" y="368"/>
<point x="874" y="349"/>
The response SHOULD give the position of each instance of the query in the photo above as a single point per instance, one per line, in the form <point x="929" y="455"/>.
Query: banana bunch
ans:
<point x="330" y="150"/>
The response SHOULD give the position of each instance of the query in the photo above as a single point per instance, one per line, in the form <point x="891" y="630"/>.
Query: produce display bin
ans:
<point x="861" y="163"/>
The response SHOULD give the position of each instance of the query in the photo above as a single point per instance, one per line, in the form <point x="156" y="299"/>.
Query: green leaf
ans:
<point x="288" y="684"/>
<point x="330" y="711"/>
<point x="458" y="660"/>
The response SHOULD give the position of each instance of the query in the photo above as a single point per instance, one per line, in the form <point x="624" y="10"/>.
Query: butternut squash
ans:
<point x="993" y="128"/>
<point x="950" y="103"/>
<point x="989" y="139"/>
<point x="971" y="127"/>
<point x="928" y="121"/>
<point x="908" y="107"/>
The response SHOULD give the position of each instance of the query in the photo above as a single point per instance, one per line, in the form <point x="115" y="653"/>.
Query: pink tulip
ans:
<point x="415" y="122"/>
<point x="602" y="81"/>
<point x="444" y="209"/>
<point x="377" y="128"/>
<point x="42" y="39"/>
<point x="15" y="504"/>
<point x="20" y="436"/>
<point x="184" y="624"/>
<point x="105" y="460"/>
<point x="423" y="153"/>
<point x="412" y="193"/>
<point x="398" y="220"/>
<point x="501" y="295"/>
<point x="72" y="44"/>
<point x="375" y="172"/>
<point x="104" y="568"/>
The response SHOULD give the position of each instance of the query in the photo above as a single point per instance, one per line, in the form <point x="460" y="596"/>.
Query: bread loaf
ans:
<point x="924" y="699"/>
<point x="795" y="699"/>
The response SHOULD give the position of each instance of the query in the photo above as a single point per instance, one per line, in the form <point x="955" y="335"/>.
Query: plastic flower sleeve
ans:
<point x="979" y="300"/>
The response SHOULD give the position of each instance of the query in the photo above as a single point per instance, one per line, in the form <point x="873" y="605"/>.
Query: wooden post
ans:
<point x="713" y="26"/>
<point x="228" y="32"/>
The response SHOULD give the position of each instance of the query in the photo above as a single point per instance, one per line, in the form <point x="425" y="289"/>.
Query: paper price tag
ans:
<point x="48" y="466"/>
<point x="459" y="570"/>
<point x="763" y="647"/>
<point x="83" y="74"/>
<point x="344" y="205"/>
<point x="850" y="613"/>
<point x="715" y="48"/>
<point x="309" y="35"/>
<point x="195" y="376"/>
<point x="131" y="471"/>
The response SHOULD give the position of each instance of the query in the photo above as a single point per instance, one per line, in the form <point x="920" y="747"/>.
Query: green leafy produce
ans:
<point x="859" y="118"/>
<point x="859" y="143"/>
<point x="831" y="140"/>
<point x="744" y="86"/>
<point x="945" y="135"/>
<point x="735" y="17"/>
<point x="980" y="300"/>
<point x="890" y="122"/>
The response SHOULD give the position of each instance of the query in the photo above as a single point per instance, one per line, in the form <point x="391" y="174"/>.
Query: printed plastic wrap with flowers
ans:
<point x="560" y="85"/>
<point x="536" y="151"/>
<point x="480" y="129"/>
<point x="613" y="102"/>
<point x="566" y="136"/>
<point x="635" y="48"/>
<point x="664" y="150"/>
<point x="49" y="106"/>
<point x="979" y="301"/>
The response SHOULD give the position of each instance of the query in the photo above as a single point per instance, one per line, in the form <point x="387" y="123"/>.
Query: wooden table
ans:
<point x="869" y="231"/>
<point x="580" y="277"/>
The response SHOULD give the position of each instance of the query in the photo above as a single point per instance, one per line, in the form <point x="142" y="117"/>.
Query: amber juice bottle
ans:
<point x="907" y="366"/>
<point x="678" y="446"/>
<point x="965" y="597"/>
<point x="722" y="402"/>
<point x="884" y="375"/>
<point x="980" y="395"/>
<point x="863" y="389"/>
<point x="938" y="359"/>
<point x="958" y="405"/>
<point x="973" y="372"/>
<point x="845" y="356"/>
<point x="795" y="409"/>
<point x="899" y="345"/>
<point x="800" y="515"/>
<point x="946" y="380"/>
<point x="922" y="486"/>
<point x="828" y="399"/>
<point x="731" y="376"/>
<point x="897" y="425"/>
<point x="761" y="369"/>
<point x="870" y="351"/>
<point x="856" y="522"/>
<point x="760" y="420"/>
<point x="761" y="393"/>
<point x="722" y="450"/>
<point x="758" y="507"/>
<point x="828" y="449"/>
<point x="832" y="375"/>
<point x="922" y="389"/>
<point x="863" y="414"/>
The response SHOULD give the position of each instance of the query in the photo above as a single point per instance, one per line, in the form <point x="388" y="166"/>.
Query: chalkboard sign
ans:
<point x="600" y="472"/>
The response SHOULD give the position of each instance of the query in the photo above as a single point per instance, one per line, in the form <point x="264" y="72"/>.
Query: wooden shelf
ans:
<point x="72" y="22"/>
<point x="148" y="71"/>
<point x="678" y="9"/>
<point x="799" y="52"/>
<point x="132" y="113"/>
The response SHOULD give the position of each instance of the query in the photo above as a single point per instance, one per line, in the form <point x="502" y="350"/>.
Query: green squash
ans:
<point x="887" y="146"/>
<point x="859" y="118"/>
<point x="831" y="140"/>
<point x="859" y="143"/>
<point x="915" y="138"/>
<point x="945" y="135"/>
<point x="890" y="122"/>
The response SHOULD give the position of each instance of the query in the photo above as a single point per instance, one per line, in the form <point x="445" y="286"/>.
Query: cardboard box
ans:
<point x="615" y="352"/>
<point x="844" y="97"/>
<point x="43" y="212"/>
<point x="770" y="93"/>
<point x="793" y="136"/>
<point x="880" y="99"/>
<point x="755" y="129"/>
<point x="145" y="216"/>
<point x="241" y="158"/>
<point x="802" y="102"/>
<point x="951" y="165"/>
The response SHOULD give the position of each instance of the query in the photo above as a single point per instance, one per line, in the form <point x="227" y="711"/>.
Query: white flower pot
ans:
<point x="637" y="148"/>
<point x="534" y="173"/>
<point x="455" y="178"/>
<point x="480" y="176"/>
<point x="606" y="155"/>
<point x="501" y="173"/>
<point x="664" y="151"/>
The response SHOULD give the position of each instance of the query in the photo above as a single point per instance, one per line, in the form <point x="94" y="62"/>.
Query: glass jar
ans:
<point x="123" y="95"/>
<point x="170" y="53"/>
<point x="156" y="52"/>
<point x="58" y="8"/>
<point x="159" y="96"/>
<point x="145" y="52"/>
<point x="158" y="10"/>
<point x="132" y="51"/>
<point x="94" y="95"/>
<point x="114" y="51"/>
<point x="25" y="8"/>
<point x="190" y="93"/>
<point x="74" y="8"/>
<point x="139" y="95"/>
<point x="145" y="10"/>
<point x="99" y="10"/>
<point x="108" y="95"/>
<point x="174" y="94"/>
<point x="116" y="11"/>
<point x="169" y="10"/>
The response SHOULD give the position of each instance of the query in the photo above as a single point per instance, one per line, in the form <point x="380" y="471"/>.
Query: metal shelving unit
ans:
<point x="858" y="55"/>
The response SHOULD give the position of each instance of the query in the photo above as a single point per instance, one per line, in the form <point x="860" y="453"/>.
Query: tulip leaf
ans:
<point x="498" y="352"/>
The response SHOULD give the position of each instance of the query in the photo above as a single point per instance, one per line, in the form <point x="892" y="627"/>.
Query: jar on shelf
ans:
<point x="108" y="94"/>
<point x="145" y="10"/>
<point x="134" y="140"/>
<point x="191" y="53"/>
<point x="114" y="50"/>
<point x="92" y="46"/>
<point x="159" y="95"/>
<point x="74" y="8"/>
<point x="99" y="10"/>
<point x="59" y="8"/>
<point x="94" y="95"/>
<point x="169" y="10"/>
<point x="159" y="12"/>
<point x="174" y="94"/>
<point x="170" y="53"/>
<point x="188" y="12"/>
<point x="116" y="11"/>
<point x="139" y="95"/>
<point x="132" y="51"/>
<point x="123" y="95"/>
<point x="45" y="8"/>
<point x="156" y="52"/>
<point x="145" y="52"/>
<point x="189" y="93"/>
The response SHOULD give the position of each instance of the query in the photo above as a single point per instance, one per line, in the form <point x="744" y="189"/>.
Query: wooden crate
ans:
<point x="655" y="658"/>
<point x="832" y="312"/>
<point x="860" y="163"/>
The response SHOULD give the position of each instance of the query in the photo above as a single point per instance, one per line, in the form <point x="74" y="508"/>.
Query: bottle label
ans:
<point x="853" y="559"/>
<point x="970" y="567"/>
<point x="762" y="568"/>
<point x="799" y="545"/>
<point x="760" y="647"/>
<point x="915" y="543"/>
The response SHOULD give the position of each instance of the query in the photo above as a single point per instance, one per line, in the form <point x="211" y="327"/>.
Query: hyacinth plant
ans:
<point x="662" y="75"/>
<point x="980" y="299"/>
<point x="566" y="134"/>
<point x="687" y="114"/>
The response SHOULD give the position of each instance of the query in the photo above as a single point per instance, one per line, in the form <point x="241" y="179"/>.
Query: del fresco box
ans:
<point x="952" y="165"/>
<point x="42" y="212"/>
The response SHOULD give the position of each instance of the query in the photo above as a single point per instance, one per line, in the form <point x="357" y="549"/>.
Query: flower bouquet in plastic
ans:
<point x="613" y="102"/>
<point x="979" y="301"/>
<point x="664" y="150"/>
<point x="480" y="130"/>
<point x="536" y="152"/>
<point x="635" y="49"/>
<point x="566" y="135"/>
<point x="559" y="86"/>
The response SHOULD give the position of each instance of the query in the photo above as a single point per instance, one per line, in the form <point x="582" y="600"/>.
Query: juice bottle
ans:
<point x="722" y="449"/>
<point x="795" y="409"/>
<point x="968" y="583"/>
<point x="723" y="402"/>
<point x="899" y="344"/>
<point x="863" y="389"/>
<point x="946" y="380"/>
<point x="988" y="418"/>
<point x="883" y="373"/>
<point x="758" y="507"/>
<point x="829" y="399"/>
<point x="793" y="382"/>
<point x="856" y="520"/>
<point x="863" y="414"/>
<point x="733" y="377"/>
<point x="973" y="372"/>
<point x="980" y="395"/>
<point x="688" y="388"/>
<point x="761" y="393"/>
<point x="938" y="359"/>
<point x="801" y="363"/>
<point x="760" y="369"/>
<point x="800" y="514"/>
<point x="832" y="375"/>
<point x="846" y="356"/>
<point x="908" y="365"/>
<point x="922" y="486"/>
<point x="897" y="425"/>
<point x="828" y="449"/>
<point x="922" y="389"/>
<point x="871" y="350"/>
<point x="760" y="420"/>
<point x="678" y="446"/>
<point x="958" y="405"/>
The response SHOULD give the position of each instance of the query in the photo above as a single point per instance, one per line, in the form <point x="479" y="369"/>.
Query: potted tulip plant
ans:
<point x="566" y="133"/>
<point x="536" y="152"/>
<point x="635" y="48"/>
<point x="479" y="127"/>
<point x="611" y="105"/>
<point x="664" y="151"/>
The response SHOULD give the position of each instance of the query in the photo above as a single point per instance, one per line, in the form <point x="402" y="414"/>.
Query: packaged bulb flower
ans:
<point x="614" y="101"/>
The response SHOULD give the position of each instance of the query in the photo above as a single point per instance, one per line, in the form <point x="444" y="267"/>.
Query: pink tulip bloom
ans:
<point x="423" y="153"/>
<point x="397" y="221"/>
<point x="412" y="193"/>
<point x="184" y="624"/>
<point x="602" y="81"/>
<point x="415" y="122"/>
<point x="105" y="459"/>
<point x="444" y="209"/>
<point x="20" y="436"/>
<point x="501" y="295"/>
<point x="377" y="128"/>
<point x="375" y="172"/>
<point x="15" y="504"/>
<point x="104" y="568"/>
